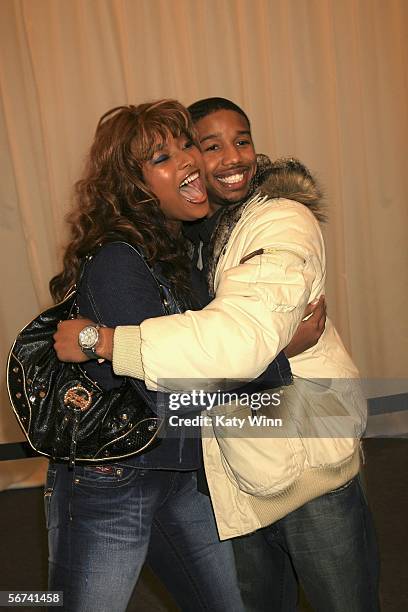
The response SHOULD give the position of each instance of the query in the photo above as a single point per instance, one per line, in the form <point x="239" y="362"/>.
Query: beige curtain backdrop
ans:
<point x="323" y="80"/>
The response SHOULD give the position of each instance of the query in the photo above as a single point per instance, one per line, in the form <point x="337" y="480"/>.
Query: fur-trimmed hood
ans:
<point x="288" y="178"/>
<point x="284" y="178"/>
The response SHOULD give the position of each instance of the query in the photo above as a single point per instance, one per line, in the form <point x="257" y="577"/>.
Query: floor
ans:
<point x="23" y="552"/>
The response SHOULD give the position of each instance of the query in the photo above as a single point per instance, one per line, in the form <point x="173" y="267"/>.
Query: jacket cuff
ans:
<point x="127" y="357"/>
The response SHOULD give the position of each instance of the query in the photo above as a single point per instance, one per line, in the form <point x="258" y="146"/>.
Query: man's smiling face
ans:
<point x="229" y="156"/>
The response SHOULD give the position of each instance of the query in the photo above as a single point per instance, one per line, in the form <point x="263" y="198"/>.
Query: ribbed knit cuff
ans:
<point x="127" y="357"/>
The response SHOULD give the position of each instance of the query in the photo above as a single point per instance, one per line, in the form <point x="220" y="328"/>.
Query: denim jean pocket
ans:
<point x="48" y="492"/>
<point x="108" y="475"/>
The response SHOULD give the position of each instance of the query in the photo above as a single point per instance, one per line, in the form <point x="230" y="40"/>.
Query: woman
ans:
<point x="143" y="178"/>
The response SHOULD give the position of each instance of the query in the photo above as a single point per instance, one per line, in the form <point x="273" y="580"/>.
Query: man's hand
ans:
<point x="310" y="329"/>
<point x="66" y="341"/>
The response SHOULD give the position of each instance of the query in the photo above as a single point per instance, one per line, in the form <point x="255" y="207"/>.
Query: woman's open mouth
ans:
<point x="192" y="188"/>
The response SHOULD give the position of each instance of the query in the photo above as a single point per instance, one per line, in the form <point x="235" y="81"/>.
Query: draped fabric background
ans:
<point x="323" y="80"/>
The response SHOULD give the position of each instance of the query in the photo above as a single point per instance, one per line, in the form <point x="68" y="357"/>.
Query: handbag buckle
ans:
<point x="78" y="397"/>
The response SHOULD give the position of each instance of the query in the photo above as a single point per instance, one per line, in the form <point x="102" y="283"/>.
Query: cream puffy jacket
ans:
<point x="257" y="475"/>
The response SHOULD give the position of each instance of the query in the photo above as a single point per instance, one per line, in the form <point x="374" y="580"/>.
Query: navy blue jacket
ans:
<point x="117" y="288"/>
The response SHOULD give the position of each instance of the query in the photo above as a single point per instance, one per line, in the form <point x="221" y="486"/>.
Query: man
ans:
<point x="264" y="262"/>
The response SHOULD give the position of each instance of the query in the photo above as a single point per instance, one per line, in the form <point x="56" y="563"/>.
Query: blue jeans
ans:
<point x="99" y="521"/>
<point x="328" y="545"/>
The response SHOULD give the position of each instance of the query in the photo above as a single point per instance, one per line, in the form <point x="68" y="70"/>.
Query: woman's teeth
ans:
<point x="192" y="189"/>
<point x="189" y="179"/>
<point x="233" y="178"/>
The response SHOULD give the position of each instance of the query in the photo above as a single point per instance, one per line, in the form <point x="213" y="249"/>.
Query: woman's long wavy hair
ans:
<point x="113" y="203"/>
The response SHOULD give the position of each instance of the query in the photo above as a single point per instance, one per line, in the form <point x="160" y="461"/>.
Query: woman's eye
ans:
<point x="160" y="158"/>
<point x="242" y="143"/>
<point x="188" y="144"/>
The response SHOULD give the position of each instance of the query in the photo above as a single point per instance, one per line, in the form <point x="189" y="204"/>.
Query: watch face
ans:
<point x="88" y="337"/>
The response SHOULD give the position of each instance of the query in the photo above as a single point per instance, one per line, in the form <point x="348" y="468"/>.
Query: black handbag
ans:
<point x="62" y="412"/>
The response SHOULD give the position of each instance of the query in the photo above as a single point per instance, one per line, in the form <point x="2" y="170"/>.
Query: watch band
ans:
<point x="90" y="353"/>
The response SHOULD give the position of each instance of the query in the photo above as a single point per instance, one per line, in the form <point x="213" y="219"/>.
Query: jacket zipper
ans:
<point x="270" y="251"/>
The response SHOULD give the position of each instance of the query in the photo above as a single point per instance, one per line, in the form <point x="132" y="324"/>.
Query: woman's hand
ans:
<point x="310" y="329"/>
<point x="66" y="341"/>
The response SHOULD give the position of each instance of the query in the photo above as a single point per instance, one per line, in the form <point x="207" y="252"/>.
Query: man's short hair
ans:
<point x="200" y="109"/>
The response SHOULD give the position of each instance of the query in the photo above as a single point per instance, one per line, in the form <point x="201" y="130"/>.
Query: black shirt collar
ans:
<point x="202" y="230"/>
